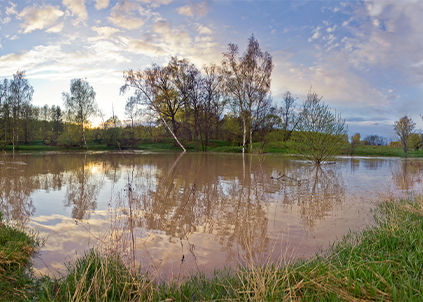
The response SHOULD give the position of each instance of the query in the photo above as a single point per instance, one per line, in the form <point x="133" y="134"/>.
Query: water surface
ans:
<point x="209" y="210"/>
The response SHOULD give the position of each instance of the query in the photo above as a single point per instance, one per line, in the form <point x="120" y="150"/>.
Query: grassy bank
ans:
<point x="16" y="248"/>
<point x="167" y="144"/>
<point x="384" y="263"/>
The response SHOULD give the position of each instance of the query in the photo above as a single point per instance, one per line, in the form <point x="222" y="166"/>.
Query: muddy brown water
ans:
<point x="209" y="210"/>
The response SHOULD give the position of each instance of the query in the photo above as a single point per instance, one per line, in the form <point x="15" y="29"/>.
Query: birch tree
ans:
<point x="247" y="81"/>
<point x="80" y="104"/>
<point x="20" y="93"/>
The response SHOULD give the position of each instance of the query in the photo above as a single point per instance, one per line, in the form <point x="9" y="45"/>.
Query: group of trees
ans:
<point x="229" y="102"/>
<point x="20" y="121"/>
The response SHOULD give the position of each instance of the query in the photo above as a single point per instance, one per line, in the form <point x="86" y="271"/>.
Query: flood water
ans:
<point x="209" y="210"/>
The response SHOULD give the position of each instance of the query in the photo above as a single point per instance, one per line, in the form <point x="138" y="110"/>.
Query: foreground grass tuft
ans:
<point x="16" y="248"/>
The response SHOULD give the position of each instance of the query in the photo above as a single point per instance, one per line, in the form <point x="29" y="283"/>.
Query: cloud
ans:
<point x="101" y="4"/>
<point x="194" y="9"/>
<point x="105" y="31"/>
<point x="15" y="37"/>
<point x="157" y="3"/>
<point x="39" y="18"/>
<point x="204" y="30"/>
<point x="316" y="34"/>
<point x="63" y="61"/>
<point x="389" y="36"/>
<point x="122" y="15"/>
<point x="77" y="7"/>
<point x="6" y="20"/>
<point x="143" y="47"/>
<point x="55" y="29"/>
<point x="11" y="10"/>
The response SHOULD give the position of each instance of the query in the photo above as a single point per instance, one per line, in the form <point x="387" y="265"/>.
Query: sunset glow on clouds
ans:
<point x="364" y="57"/>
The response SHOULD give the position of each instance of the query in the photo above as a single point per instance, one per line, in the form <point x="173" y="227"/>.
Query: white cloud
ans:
<point x="157" y="3"/>
<point x="194" y="9"/>
<point x="389" y="36"/>
<point x="11" y="9"/>
<point x="39" y="18"/>
<point x="146" y="48"/>
<point x="6" y="20"/>
<point x="331" y="29"/>
<point x="15" y="37"/>
<point x="316" y="34"/>
<point x="122" y="15"/>
<point x="101" y="4"/>
<point x="204" y="30"/>
<point x="55" y="29"/>
<point x="77" y="7"/>
<point x="105" y="31"/>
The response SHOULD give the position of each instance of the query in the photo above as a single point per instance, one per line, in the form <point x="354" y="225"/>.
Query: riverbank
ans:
<point x="383" y="262"/>
<point x="218" y="146"/>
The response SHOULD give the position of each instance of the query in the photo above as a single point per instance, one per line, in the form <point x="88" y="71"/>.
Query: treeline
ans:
<point x="231" y="102"/>
<point x="23" y="122"/>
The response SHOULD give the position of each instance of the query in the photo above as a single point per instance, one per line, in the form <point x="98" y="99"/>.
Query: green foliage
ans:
<point x="415" y="141"/>
<point x="71" y="137"/>
<point x="233" y="129"/>
<point x="320" y="133"/>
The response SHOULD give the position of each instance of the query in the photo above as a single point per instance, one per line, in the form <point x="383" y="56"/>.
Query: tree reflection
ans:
<point x="190" y="196"/>
<point x="407" y="175"/>
<point x="313" y="190"/>
<point x="15" y="190"/>
<point x="82" y="189"/>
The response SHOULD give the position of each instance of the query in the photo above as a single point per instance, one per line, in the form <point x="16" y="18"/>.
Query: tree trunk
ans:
<point x="170" y="130"/>
<point x="251" y="138"/>
<point x="243" y="135"/>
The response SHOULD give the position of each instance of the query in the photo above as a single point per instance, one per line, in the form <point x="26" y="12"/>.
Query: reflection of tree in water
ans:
<point x="316" y="190"/>
<point x="15" y="193"/>
<point x="373" y="164"/>
<point x="82" y="189"/>
<point x="193" y="196"/>
<point x="407" y="174"/>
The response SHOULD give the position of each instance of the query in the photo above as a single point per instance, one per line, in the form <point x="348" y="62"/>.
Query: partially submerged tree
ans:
<point x="320" y="131"/>
<point x="153" y="88"/>
<point x="247" y="81"/>
<point x="403" y="128"/>
<point x="80" y="105"/>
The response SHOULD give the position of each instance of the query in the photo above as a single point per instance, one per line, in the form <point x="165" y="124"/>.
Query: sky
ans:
<point x="364" y="57"/>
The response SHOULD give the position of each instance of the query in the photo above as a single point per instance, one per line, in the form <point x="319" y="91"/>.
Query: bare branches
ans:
<point x="403" y="128"/>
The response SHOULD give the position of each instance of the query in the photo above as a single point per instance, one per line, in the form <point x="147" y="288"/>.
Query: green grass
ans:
<point x="167" y="144"/>
<point x="16" y="248"/>
<point x="382" y="263"/>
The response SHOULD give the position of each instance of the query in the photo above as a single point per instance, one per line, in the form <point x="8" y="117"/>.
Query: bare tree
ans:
<point x="132" y="112"/>
<point x="152" y="88"/>
<point x="320" y="131"/>
<point x="247" y="80"/>
<point x="289" y="119"/>
<point x="212" y="103"/>
<point x="403" y="128"/>
<point x="80" y="104"/>
<point x="20" y="92"/>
